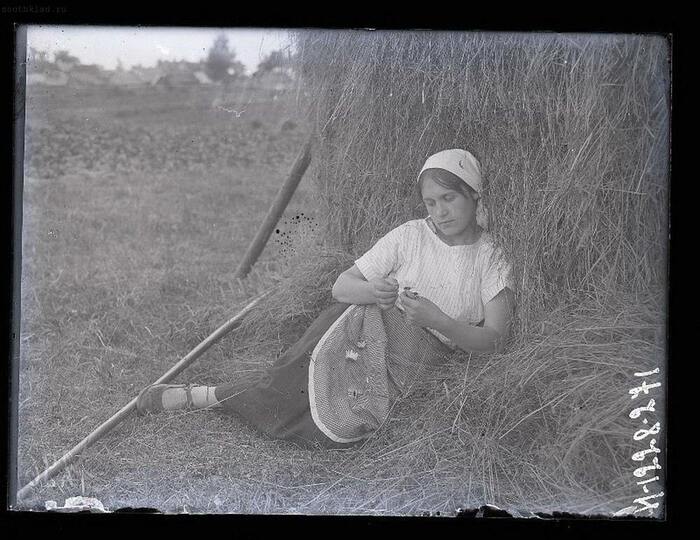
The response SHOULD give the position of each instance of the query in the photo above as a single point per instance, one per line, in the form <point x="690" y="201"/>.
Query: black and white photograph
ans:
<point x="342" y="271"/>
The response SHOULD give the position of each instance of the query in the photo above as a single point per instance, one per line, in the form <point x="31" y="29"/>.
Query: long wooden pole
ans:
<point x="275" y="212"/>
<point x="125" y="411"/>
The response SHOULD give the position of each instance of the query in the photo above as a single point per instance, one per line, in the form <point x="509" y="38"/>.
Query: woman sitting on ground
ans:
<point x="337" y="384"/>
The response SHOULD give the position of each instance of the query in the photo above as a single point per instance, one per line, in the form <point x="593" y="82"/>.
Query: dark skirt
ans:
<point x="278" y="405"/>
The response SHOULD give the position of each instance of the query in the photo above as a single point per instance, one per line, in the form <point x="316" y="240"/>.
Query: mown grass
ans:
<point x="127" y="269"/>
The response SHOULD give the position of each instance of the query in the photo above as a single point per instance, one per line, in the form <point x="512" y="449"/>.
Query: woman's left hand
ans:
<point x="421" y="311"/>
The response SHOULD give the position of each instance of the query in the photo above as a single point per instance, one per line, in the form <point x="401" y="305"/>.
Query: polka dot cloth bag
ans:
<point x="365" y="361"/>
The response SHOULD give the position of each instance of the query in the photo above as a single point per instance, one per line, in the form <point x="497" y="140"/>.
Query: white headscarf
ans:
<point x="467" y="168"/>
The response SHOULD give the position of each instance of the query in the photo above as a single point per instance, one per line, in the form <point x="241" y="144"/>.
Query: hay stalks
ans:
<point x="571" y="131"/>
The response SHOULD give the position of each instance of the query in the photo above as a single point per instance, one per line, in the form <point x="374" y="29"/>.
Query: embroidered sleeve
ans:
<point x="384" y="257"/>
<point x="496" y="276"/>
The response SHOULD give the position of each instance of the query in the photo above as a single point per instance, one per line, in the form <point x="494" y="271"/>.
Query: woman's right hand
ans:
<point x="386" y="292"/>
<point x="351" y="287"/>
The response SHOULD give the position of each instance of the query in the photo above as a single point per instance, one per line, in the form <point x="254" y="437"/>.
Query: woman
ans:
<point x="336" y="385"/>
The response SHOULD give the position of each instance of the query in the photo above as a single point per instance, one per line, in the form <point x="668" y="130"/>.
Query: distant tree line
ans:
<point x="220" y="64"/>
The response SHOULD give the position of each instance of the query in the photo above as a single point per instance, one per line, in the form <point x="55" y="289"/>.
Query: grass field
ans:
<point x="137" y="209"/>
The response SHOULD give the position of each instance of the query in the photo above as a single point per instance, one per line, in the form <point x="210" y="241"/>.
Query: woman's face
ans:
<point x="453" y="211"/>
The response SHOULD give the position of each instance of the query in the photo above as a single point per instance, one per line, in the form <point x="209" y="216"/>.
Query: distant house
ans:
<point x="43" y="72"/>
<point x="148" y="76"/>
<point x="177" y="79"/>
<point x="179" y="66"/>
<point x="48" y="78"/>
<point x="202" y="77"/>
<point x="66" y="65"/>
<point x="87" y="75"/>
<point x="62" y="73"/>
<point x="125" y="79"/>
<point x="178" y="73"/>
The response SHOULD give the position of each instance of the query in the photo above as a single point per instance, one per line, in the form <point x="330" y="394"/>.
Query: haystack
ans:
<point x="573" y="135"/>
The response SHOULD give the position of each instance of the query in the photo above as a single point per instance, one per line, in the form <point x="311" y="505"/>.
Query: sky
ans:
<point x="146" y="45"/>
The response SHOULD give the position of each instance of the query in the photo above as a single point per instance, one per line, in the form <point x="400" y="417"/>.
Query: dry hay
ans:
<point x="572" y="133"/>
<point x="544" y="426"/>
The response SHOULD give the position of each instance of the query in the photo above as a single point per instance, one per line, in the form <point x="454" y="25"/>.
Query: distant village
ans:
<point x="66" y="70"/>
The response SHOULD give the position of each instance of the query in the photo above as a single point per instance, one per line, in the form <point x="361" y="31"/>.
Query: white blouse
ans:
<point x="460" y="280"/>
